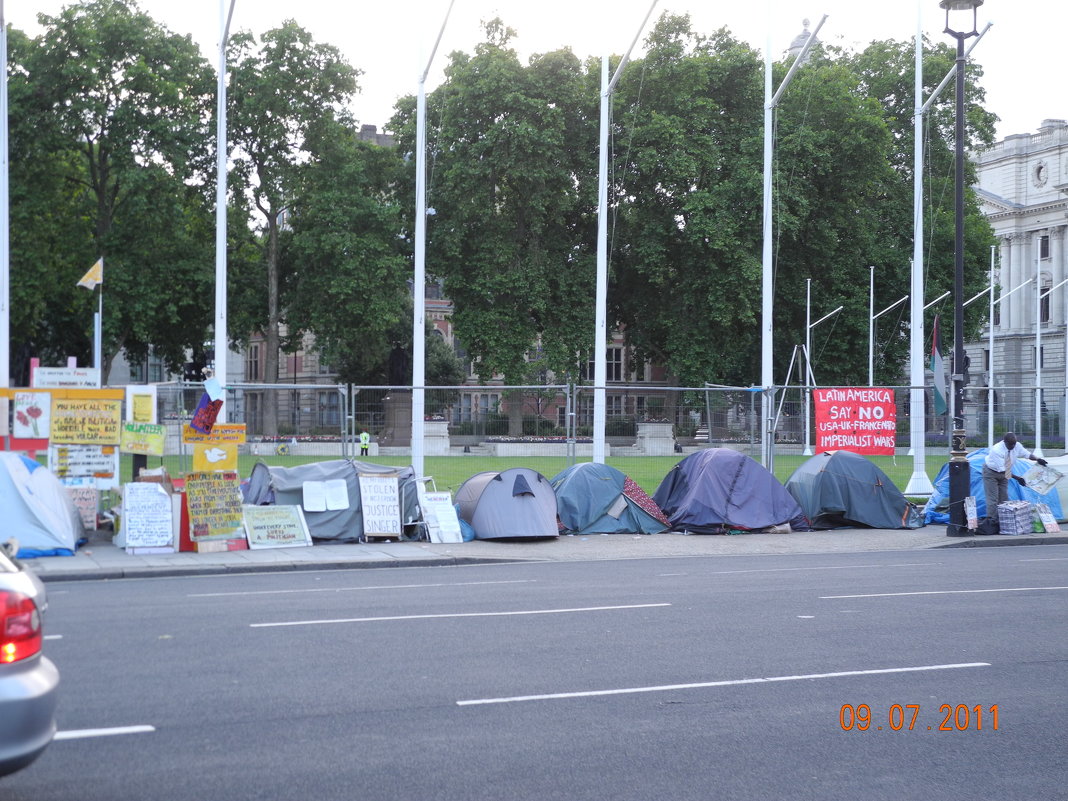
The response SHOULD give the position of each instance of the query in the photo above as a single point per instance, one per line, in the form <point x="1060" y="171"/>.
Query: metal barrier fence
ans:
<point x="649" y="427"/>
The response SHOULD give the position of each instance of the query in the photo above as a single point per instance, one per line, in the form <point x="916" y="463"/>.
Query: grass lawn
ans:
<point x="449" y="472"/>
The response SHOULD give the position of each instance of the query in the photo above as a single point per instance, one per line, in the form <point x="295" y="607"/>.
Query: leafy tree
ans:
<point x="510" y="152"/>
<point x="279" y="89"/>
<point x="119" y="107"/>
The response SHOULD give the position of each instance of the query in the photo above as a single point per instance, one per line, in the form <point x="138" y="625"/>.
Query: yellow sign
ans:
<point x="83" y="421"/>
<point x="220" y="432"/>
<point x="143" y="408"/>
<point x="209" y="457"/>
<point x="143" y="438"/>
<point x="214" y="501"/>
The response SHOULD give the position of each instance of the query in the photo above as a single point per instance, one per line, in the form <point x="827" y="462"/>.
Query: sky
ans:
<point x="391" y="41"/>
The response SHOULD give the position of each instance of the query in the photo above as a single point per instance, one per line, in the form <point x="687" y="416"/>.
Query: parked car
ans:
<point x="28" y="679"/>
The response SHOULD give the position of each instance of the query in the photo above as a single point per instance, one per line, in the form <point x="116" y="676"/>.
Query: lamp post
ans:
<point x="959" y="478"/>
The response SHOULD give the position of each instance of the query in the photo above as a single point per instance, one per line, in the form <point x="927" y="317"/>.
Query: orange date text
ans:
<point x="913" y="717"/>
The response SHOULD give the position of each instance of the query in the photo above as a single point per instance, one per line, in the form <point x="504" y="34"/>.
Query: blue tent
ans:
<point x="597" y="499"/>
<point x="937" y="509"/>
<point x="719" y="488"/>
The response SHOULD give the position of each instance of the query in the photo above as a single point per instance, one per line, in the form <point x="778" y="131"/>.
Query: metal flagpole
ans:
<point x="222" y="347"/>
<point x="5" y="222"/>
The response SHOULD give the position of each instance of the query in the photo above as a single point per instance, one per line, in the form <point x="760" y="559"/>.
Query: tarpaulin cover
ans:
<point x="719" y="488"/>
<point x="595" y="498"/>
<point x="840" y="489"/>
<point x="937" y="509"/>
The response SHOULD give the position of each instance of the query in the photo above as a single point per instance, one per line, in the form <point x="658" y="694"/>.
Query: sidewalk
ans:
<point x="101" y="559"/>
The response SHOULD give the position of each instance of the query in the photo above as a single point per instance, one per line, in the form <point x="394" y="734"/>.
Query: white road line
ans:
<point x="828" y="567"/>
<point x="79" y="734"/>
<point x="706" y="684"/>
<point x="53" y="636"/>
<point x="457" y="614"/>
<point x="352" y="589"/>
<point x="941" y="592"/>
<point x="1048" y="559"/>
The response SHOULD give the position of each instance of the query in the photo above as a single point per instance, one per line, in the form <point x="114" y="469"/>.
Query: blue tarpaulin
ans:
<point x="937" y="509"/>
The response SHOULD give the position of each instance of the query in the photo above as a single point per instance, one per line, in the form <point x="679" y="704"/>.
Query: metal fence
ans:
<point x="649" y="427"/>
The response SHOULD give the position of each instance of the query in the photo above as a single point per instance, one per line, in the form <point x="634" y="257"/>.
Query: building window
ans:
<point x="986" y="361"/>
<point x="329" y="409"/>
<point x="252" y="363"/>
<point x="614" y="364"/>
<point x="1043" y="303"/>
<point x="1038" y="356"/>
<point x="1043" y="247"/>
<point x="613" y="406"/>
<point x="997" y="313"/>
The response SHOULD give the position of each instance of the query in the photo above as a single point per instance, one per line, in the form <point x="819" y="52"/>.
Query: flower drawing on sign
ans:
<point x="34" y="413"/>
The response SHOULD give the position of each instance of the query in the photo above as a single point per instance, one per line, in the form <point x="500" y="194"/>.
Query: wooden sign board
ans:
<point x="276" y="527"/>
<point x="147" y="516"/>
<point x="100" y="462"/>
<point x="215" y="505"/>
<point x="439" y="514"/>
<point x="380" y="505"/>
<point x="86" y="421"/>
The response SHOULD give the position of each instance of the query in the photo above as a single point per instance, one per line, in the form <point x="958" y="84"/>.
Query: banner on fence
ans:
<point x="858" y="419"/>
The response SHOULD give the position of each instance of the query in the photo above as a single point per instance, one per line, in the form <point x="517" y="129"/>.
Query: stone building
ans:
<point x="1023" y="188"/>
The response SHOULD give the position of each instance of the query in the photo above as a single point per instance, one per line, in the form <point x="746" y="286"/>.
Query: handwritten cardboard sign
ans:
<point x="220" y="432"/>
<point x="144" y="438"/>
<point x="85" y="421"/>
<point x="147" y="516"/>
<point x="380" y="505"/>
<point x="99" y="462"/>
<point x="214" y="501"/>
<point x="86" y="498"/>
<point x="276" y="527"/>
<point x="32" y="414"/>
<point x="66" y="377"/>
<point x="858" y="419"/>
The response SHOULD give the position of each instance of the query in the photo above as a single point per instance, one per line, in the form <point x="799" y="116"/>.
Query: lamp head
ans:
<point x="961" y="7"/>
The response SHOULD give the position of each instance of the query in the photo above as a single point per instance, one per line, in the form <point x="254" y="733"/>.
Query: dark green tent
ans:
<point x="842" y="489"/>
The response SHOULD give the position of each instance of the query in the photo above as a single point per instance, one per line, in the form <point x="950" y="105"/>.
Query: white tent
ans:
<point x="37" y="510"/>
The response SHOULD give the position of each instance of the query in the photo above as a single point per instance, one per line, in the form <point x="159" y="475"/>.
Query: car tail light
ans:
<point x="20" y="627"/>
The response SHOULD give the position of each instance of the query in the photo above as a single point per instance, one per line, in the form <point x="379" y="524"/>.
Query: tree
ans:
<point x="278" y="92"/>
<point x="510" y="154"/>
<point x="119" y="107"/>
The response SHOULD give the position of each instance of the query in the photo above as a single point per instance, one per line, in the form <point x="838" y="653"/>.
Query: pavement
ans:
<point x="101" y="559"/>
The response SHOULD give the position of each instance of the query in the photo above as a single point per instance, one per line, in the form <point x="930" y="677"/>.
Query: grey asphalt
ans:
<point x="101" y="559"/>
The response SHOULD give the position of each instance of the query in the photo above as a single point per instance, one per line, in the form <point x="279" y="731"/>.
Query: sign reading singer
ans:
<point x="858" y="419"/>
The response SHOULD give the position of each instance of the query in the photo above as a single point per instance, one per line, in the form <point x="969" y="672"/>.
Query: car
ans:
<point x="29" y="681"/>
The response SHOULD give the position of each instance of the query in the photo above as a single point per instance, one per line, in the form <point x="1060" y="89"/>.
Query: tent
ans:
<point x="38" y="511"/>
<point x="284" y="486"/>
<point x="594" y="498"/>
<point x="937" y="508"/>
<point x="719" y="488"/>
<point x="514" y="503"/>
<point x="839" y="489"/>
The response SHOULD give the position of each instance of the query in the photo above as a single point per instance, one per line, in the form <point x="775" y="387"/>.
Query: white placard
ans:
<point x="86" y="498"/>
<point x="439" y="514"/>
<point x="1042" y="479"/>
<point x="85" y="461"/>
<point x="320" y="496"/>
<point x="146" y="516"/>
<point x="66" y="378"/>
<point x="380" y="504"/>
<point x="276" y="527"/>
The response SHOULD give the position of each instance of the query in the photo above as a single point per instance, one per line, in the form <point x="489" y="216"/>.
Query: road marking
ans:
<point x="351" y="589"/>
<point x="827" y="567"/>
<point x="941" y="592"/>
<point x="457" y="614"/>
<point x="707" y="684"/>
<point x="53" y="636"/>
<point x="79" y="734"/>
<point x="1048" y="559"/>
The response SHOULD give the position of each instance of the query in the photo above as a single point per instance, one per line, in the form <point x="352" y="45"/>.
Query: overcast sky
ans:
<point x="1022" y="55"/>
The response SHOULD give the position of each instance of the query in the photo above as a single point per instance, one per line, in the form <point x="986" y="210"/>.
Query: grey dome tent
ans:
<point x="717" y="489"/>
<point x="839" y="489"/>
<point x="515" y="503"/>
<point x="594" y="498"/>
<point x="37" y="510"/>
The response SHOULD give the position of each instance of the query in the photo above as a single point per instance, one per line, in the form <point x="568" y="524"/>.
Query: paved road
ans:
<point x="671" y="678"/>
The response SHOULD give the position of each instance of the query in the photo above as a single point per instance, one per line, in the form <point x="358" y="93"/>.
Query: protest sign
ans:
<point x="214" y="501"/>
<point x="32" y="415"/>
<point x="147" y="516"/>
<point x="86" y="498"/>
<point x="99" y="462"/>
<point x="144" y="438"/>
<point x="276" y="527"/>
<point x="86" y="421"/>
<point x="380" y="505"/>
<point x="858" y="419"/>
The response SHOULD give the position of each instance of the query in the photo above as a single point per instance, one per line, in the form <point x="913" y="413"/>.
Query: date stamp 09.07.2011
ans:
<point x="913" y="717"/>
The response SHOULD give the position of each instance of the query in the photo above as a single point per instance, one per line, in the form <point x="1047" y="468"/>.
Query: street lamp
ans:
<point x="959" y="470"/>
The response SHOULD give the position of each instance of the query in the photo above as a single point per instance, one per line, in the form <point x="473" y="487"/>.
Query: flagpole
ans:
<point x="98" y="334"/>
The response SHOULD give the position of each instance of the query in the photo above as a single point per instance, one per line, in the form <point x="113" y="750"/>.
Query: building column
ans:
<point x="1057" y="269"/>
<point x="1019" y="273"/>
<point x="1003" y="283"/>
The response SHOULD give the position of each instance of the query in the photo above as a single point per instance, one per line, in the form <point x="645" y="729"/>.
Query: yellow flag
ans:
<point x="94" y="276"/>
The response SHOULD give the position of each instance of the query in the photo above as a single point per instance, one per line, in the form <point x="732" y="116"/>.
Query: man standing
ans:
<point x="365" y="442"/>
<point x="997" y="468"/>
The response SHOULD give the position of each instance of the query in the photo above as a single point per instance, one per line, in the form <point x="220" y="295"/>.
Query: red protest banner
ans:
<point x="858" y="419"/>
